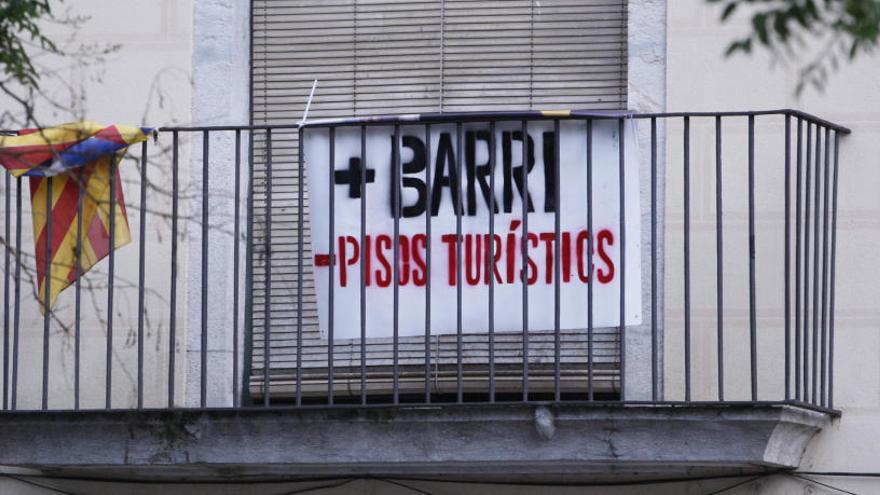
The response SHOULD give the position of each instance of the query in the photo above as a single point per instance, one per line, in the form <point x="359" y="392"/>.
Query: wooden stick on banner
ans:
<point x="309" y="103"/>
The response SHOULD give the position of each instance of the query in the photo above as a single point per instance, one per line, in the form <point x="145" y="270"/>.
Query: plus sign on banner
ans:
<point x="455" y="181"/>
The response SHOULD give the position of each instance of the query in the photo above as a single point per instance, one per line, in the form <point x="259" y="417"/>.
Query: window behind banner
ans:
<point x="396" y="57"/>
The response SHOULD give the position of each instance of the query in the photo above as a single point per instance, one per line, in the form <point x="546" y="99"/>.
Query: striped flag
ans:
<point x="73" y="155"/>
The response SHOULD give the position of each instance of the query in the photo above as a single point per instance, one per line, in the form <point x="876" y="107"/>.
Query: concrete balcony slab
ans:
<point x="506" y="442"/>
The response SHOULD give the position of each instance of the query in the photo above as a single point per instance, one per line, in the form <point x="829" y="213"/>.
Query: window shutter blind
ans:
<point x="408" y="56"/>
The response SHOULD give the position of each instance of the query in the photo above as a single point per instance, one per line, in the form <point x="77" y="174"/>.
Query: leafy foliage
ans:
<point x="847" y="27"/>
<point x="19" y="31"/>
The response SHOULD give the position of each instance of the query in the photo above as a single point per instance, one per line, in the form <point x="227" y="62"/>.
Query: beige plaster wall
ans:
<point x="699" y="77"/>
<point x="145" y="79"/>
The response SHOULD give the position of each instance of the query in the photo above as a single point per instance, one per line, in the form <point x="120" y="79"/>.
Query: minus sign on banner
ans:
<point x="324" y="260"/>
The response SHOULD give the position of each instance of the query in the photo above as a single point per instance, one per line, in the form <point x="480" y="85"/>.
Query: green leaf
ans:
<point x="780" y="26"/>
<point x="744" y="46"/>
<point x="19" y="27"/>
<point x="728" y="10"/>
<point x="759" y="24"/>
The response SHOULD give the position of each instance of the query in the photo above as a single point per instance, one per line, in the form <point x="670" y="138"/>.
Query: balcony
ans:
<point x="261" y="329"/>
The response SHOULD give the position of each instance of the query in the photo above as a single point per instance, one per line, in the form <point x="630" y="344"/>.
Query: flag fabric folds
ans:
<point x="80" y="161"/>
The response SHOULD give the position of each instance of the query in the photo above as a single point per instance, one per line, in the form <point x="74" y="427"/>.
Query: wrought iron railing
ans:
<point x="250" y="333"/>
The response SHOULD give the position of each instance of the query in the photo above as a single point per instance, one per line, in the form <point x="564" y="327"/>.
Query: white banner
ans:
<point x="474" y="196"/>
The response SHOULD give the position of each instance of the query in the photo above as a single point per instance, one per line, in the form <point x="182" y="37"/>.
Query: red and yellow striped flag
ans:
<point x="81" y="153"/>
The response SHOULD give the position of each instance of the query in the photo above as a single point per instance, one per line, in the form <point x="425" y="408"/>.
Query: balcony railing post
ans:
<point x="525" y="256"/>
<point x="172" y="317"/>
<point x="490" y="270"/>
<point x="686" y="169"/>
<point x="331" y="199"/>
<point x="267" y="278"/>
<point x="428" y="216"/>
<point x="816" y="234"/>
<point x="787" y="257"/>
<point x="396" y="173"/>
<point x="7" y="225"/>
<point x="797" y="262"/>
<point x="833" y="271"/>
<point x="557" y="264"/>
<point x="753" y="323"/>
<point x="824" y="325"/>
<point x="719" y="256"/>
<point x="300" y="233"/>
<point x="248" y="339"/>
<point x="590" y="279"/>
<point x="235" y="268"/>
<point x="111" y="260"/>
<point x="47" y="283"/>
<point x="203" y="348"/>
<point x="806" y="266"/>
<point x="458" y="295"/>
<point x="141" y="274"/>
<point x="363" y="287"/>
<point x="621" y="150"/>
<point x="16" y="304"/>
<point x="81" y="192"/>
<point x="655" y="350"/>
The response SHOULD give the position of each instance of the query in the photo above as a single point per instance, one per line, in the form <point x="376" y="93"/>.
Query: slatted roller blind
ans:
<point x="408" y="56"/>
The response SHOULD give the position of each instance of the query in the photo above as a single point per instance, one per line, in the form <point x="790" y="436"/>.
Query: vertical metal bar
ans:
<point x="235" y="269"/>
<point x="753" y="329"/>
<point x="806" y="342"/>
<point x="621" y="129"/>
<point x="331" y="274"/>
<point x="557" y="267"/>
<point x="395" y="153"/>
<point x="525" y="256"/>
<point x="77" y="338"/>
<point x="428" y="203"/>
<point x="816" y="234"/>
<point x="300" y="232"/>
<point x="797" y="261"/>
<point x="203" y="348"/>
<point x="7" y="191"/>
<point x="247" y="340"/>
<point x="47" y="287"/>
<point x="787" y="257"/>
<point x="244" y="396"/>
<point x="172" y="329"/>
<point x="363" y="294"/>
<point x="719" y="257"/>
<point x="490" y="269"/>
<point x="458" y="324"/>
<point x="267" y="276"/>
<point x="141" y="274"/>
<point x="108" y="391"/>
<point x="590" y="342"/>
<point x="16" y="303"/>
<point x="655" y="374"/>
<point x="824" y="337"/>
<point x="833" y="267"/>
<point x="686" y="154"/>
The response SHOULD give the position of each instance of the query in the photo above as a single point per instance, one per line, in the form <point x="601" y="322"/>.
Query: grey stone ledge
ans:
<point x="472" y="442"/>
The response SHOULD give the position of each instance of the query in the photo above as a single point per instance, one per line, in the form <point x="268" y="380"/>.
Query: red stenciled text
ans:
<point x="479" y="258"/>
